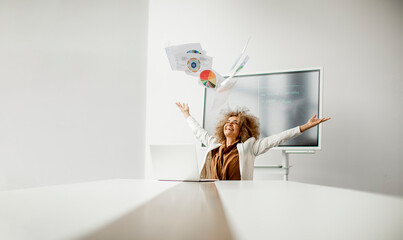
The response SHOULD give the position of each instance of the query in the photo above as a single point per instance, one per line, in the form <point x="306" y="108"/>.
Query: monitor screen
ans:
<point x="281" y="100"/>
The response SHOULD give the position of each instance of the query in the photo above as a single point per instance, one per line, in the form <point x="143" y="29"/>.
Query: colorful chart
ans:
<point x="193" y="51"/>
<point x="208" y="79"/>
<point x="194" y="64"/>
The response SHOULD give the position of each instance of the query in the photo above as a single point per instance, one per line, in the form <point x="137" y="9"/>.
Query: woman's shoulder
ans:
<point x="249" y="141"/>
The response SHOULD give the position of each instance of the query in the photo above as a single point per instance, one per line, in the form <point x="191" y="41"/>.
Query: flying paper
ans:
<point x="174" y="51"/>
<point x="240" y="55"/>
<point x="192" y="59"/>
<point x="229" y="83"/>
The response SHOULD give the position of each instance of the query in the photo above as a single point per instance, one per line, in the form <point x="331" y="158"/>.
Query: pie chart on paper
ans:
<point x="193" y="64"/>
<point x="208" y="79"/>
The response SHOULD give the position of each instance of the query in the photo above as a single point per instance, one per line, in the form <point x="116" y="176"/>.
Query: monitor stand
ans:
<point x="285" y="163"/>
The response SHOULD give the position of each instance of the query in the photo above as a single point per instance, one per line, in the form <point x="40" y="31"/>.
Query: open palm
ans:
<point x="313" y="121"/>
<point x="184" y="108"/>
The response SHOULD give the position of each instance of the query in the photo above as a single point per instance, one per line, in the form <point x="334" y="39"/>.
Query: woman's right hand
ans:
<point x="184" y="109"/>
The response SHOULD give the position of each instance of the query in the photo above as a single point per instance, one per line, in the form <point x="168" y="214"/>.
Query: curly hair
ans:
<point x="250" y="125"/>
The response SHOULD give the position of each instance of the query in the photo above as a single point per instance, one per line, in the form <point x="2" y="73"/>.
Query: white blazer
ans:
<point x="247" y="150"/>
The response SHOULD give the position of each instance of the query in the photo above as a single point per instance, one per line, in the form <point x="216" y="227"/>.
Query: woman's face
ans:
<point x="232" y="127"/>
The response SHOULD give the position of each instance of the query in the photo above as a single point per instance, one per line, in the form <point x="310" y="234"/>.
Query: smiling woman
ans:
<point x="231" y="153"/>
<point x="237" y="124"/>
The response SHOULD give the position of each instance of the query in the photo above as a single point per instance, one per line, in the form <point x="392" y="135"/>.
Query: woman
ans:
<point x="231" y="153"/>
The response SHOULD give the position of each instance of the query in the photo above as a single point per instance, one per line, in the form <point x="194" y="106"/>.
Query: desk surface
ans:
<point x="129" y="209"/>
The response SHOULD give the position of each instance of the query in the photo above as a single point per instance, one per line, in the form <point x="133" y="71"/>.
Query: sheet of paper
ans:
<point x="192" y="63"/>
<point x="240" y="55"/>
<point x="245" y="61"/>
<point x="229" y="83"/>
<point x="173" y="51"/>
<point x="191" y="59"/>
<point x="210" y="79"/>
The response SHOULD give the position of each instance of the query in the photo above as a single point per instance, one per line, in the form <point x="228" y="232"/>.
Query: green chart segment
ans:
<point x="208" y="79"/>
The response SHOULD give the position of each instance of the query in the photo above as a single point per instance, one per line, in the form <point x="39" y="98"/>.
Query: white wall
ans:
<point x="72" y="91"/>
<point x="359" y="44"/>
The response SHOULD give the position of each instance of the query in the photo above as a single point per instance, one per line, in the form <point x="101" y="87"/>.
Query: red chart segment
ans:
<point x="208" y="79"/>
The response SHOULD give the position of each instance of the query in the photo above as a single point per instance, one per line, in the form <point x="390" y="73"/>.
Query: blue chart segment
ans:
<point x="193" y="51"/>
<point x="193" y="64"/>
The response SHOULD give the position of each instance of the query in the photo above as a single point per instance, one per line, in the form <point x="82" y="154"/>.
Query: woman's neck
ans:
<point x="230" y="141"/>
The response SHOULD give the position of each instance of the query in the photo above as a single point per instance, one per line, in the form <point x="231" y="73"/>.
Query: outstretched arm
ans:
<point x="184" y="109"/>
<point x="198" y="131"/>
<point x="262" y="145"/>
<point x="312" y="123"/>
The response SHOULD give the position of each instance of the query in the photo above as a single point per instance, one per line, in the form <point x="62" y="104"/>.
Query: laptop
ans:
<point x="176" y="163"/>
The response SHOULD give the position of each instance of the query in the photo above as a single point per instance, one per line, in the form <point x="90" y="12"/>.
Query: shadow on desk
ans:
<point x="190" y="210"/>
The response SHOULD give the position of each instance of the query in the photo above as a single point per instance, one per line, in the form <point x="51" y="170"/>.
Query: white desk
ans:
<point x="253" y="209"/>
<point x="290" y="210"/>
<point x="71" y="211"/>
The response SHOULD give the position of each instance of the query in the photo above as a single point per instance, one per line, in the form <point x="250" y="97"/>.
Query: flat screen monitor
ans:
<point x="281" y="100"/>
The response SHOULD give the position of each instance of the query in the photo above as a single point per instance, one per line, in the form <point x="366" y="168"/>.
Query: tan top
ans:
<point x="225" y="163"/>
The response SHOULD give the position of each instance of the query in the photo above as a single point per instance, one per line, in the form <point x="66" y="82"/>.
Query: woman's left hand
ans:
<point x="312" y="123"/>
